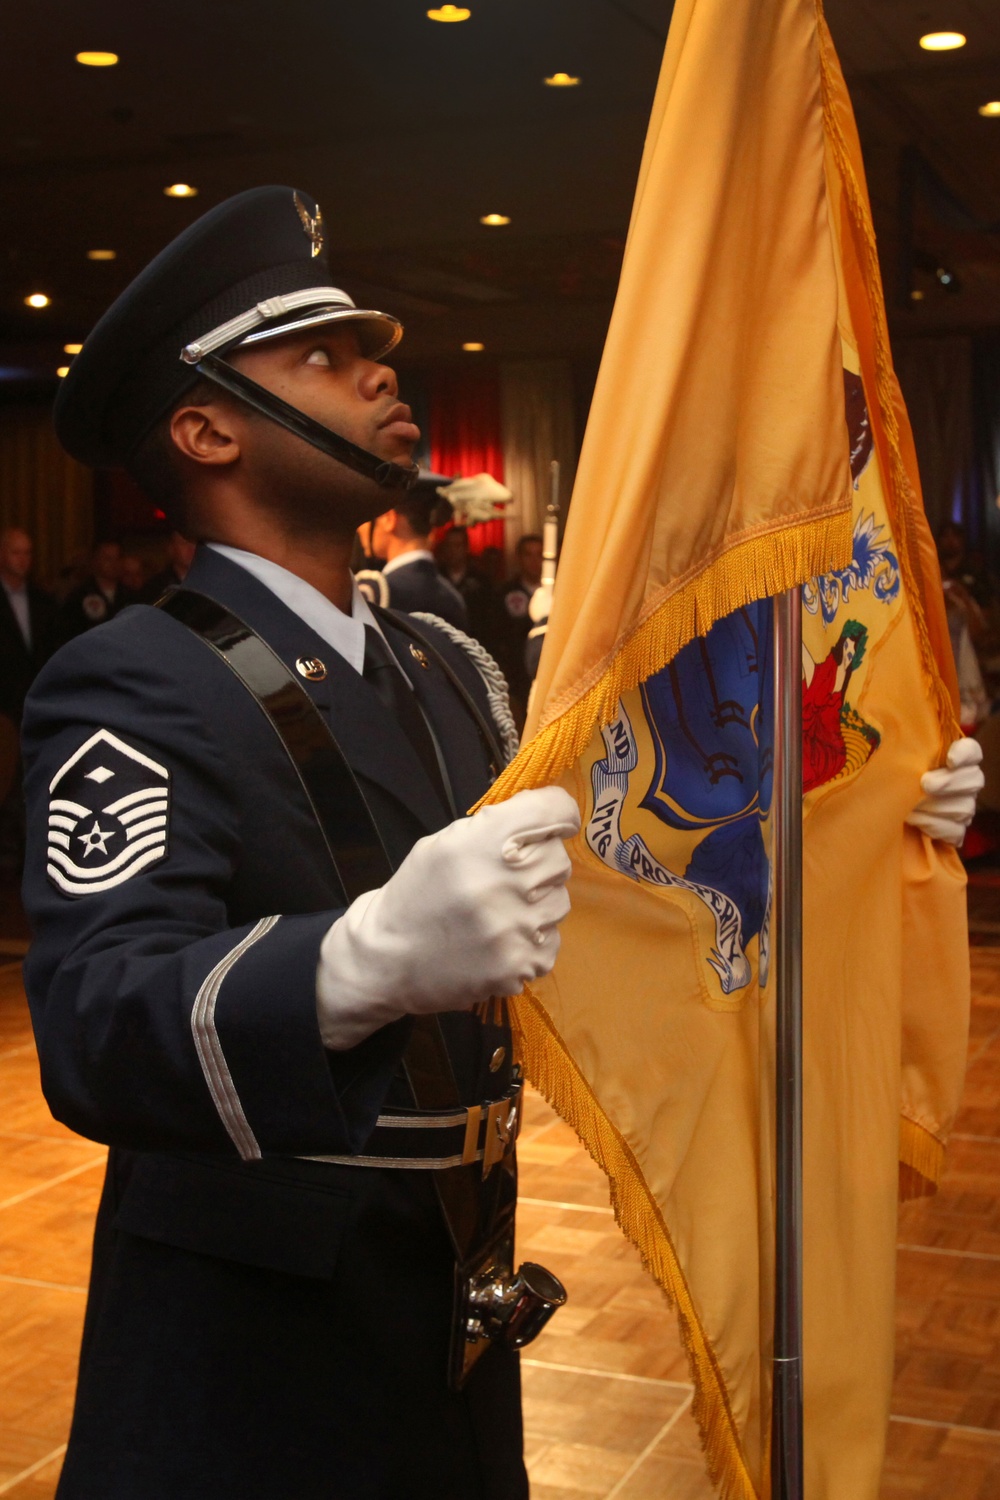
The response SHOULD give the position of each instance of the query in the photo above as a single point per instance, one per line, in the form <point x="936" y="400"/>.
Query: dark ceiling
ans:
<point x="407" y="131"/>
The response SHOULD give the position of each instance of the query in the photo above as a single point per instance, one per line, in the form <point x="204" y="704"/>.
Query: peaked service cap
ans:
<point x="252" y="268"/>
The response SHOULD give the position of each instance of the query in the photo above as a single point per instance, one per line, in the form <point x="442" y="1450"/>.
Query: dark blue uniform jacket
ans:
<point x="419" y="586"/>
<point x="285" y="1319"/>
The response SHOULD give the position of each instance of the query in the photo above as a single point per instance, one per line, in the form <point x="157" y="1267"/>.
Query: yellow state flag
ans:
<point x="747" y="435"/>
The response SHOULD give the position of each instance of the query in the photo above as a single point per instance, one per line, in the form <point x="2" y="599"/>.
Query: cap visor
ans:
<point x="379" y="332"/>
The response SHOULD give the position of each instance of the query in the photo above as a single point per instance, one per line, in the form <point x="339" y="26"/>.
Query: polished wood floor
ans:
<point x="607" y="1398"/>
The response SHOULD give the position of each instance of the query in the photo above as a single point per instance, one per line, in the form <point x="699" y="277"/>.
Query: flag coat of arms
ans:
<point x="747" y="436"/>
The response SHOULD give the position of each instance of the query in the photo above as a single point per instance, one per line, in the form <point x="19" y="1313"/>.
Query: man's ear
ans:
<point x="386" y="522"/>
<point x="205" y="434"/>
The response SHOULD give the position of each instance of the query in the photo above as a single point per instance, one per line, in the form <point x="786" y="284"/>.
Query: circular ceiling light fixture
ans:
<point x="561" y="81"/>
<point x="72" y="348"/>
<point x="990" y="110"/>
<point x="942" y="41"/>
<point x="97" y="59"/>
<point x="449" y="13"/>
<point x="101" y="254"/>
<point x="495" y="221"/>
<point x="916" y="295"/>
<point x="62" y="371"/>
<point x="473" y="348"/>
<point x="37" y="299"/>
<point x="181" y="190"/>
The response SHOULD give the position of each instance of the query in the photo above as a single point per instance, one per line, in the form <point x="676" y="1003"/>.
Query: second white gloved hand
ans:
<point x="949" y="802"/>
<point x="472" y="911"/>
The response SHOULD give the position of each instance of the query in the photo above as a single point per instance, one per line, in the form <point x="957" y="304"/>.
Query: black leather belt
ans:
<point x="484" y="1133"/>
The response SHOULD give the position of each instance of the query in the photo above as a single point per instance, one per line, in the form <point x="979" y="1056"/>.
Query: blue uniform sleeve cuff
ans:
<point x="277" y="1088"/>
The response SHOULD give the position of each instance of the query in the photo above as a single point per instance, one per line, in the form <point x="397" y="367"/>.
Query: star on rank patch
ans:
<point x="109" y="807"/>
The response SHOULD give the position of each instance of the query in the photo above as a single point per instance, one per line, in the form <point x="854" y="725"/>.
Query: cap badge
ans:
<point x="311" y="668"/>
<point x="312" y="224"/>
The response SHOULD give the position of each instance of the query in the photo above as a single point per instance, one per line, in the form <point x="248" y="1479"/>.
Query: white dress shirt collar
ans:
<point x="405" y="558"/>
<point x="345" y="633"/>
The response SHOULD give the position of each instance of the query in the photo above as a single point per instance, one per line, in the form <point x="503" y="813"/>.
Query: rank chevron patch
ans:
<point x="109" y="807"/>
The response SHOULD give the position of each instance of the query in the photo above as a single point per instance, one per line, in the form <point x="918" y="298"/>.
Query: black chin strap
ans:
<point x="388" y="476"/>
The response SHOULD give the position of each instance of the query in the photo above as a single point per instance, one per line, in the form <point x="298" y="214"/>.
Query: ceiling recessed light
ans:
<point x="181" y="190"/>
<point x="72" y="348"/>
<point x="62" y="371"/>
<point x="990" y="110"/>
<point x="37" y="299"/>
<point x="916" y="295"/>
<point x="449" y="13"/>
<point x="942" y="41"/>
<point x="562" y="81"/>
<point x="473" y="348"/>
<point x="494" y="220"/>
<point x="97" y="59"/>
<point x="101" y="254"/>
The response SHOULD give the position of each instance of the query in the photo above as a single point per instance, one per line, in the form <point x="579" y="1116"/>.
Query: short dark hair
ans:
<point x="529" y="536"/>
<point x="155" y="463"/>
<point x="423" y="509"/>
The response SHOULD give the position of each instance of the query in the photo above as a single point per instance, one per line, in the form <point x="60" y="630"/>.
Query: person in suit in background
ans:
<point x="401" y="538"/>
<point x="180" y="556"/>
<point x="516" y="622"/>
<point x="27" y="618"/>
<point x="98" y="598"/>
<point x="133" y="574"/>
<point x="457" y="568"/>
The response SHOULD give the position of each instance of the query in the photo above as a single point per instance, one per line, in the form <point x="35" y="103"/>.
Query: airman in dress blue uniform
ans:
<point x="273" y="1287"/>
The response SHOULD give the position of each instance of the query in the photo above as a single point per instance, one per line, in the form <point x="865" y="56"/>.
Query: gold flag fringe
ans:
<point x="923" y="1154"/>
<point x="557" y="1077"/>
<point x="904" y="508"/>
<point x="752" y="567"/>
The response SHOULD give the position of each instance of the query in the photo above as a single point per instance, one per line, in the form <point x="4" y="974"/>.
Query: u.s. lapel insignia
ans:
<point x="311" y="223"/>
<point x="420" y="657"/>
<point x="311" y="668"/>
<point x="108" y="810"/>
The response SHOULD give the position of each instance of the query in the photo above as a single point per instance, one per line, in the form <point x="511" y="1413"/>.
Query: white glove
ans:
<point x="949" y="803"/>
<point x="472" y="911"/>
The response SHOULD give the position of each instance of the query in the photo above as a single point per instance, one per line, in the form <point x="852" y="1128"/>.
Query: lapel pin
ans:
<point x="420" y="656"/>
<point x="311" y="668"/>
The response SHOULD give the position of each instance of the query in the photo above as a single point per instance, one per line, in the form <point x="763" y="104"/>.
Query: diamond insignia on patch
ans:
<point x="100" y="837"/>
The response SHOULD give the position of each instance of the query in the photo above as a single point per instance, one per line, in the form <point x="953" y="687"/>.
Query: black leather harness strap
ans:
<point x="351" y="836"/>
<point x="360" y="863"/>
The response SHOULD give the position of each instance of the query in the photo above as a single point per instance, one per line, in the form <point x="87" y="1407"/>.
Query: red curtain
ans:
<point x="465" y="436"/>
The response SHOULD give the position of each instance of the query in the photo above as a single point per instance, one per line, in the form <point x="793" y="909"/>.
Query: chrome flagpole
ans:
<point x="786" y="1400"/>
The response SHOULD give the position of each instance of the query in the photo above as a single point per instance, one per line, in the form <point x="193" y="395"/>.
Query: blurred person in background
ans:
<point x="99" y="597"/>
<point x="515" y="621"/>
<point x="968" y="589"/>
<point x="133" y="573"/>
<point x="27" y="619"/>
<point x="401" y="540"/>
<point x="180" y="556"/>
<point x="457" y="566"/>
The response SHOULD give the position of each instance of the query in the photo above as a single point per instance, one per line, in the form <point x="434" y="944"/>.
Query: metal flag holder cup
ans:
<point x="786" y="1395"/>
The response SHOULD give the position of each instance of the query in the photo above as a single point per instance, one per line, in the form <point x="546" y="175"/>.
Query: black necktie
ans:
<point x="384" y="674"/>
